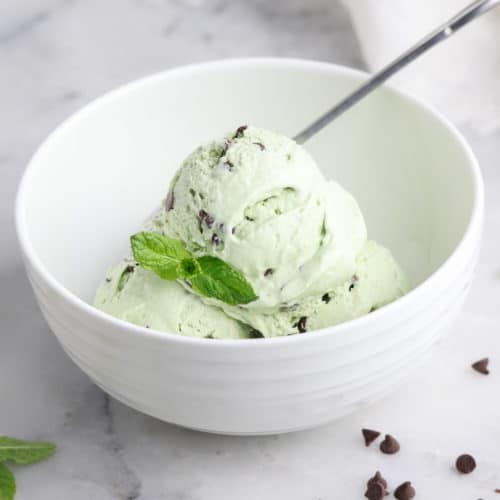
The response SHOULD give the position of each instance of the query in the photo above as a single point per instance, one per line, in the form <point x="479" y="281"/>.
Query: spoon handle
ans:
<point x="461" y="19"/>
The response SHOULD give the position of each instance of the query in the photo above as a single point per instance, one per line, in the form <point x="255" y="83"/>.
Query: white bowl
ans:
<point x="96" y="178"/>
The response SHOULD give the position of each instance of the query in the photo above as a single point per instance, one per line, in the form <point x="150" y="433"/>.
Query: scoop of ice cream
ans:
<point x="139" y="296"/>
<point x="258" y="201"/>
<point x="377" y="281"/>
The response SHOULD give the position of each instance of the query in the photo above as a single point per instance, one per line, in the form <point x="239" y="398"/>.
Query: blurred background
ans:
<point x="56" y="56"/>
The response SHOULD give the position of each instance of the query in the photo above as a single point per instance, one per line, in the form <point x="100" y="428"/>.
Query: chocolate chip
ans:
<point x="233" y="229"/>
<point x="481" y="366"/>
<point x="301" y="325"/>
<point x="370" y="436"/>
<point x="108" y="280"/>
<point x="375" y="491"/>
<point x="129" y="269"/>
<point x="249" y="218"/>
<point x="405" y="491"/>
<point x="389" y="445"/>
<point x="497" y="490"/>
<point x="268" y="272"/>
<point x="207" y="219"/>
<point x="351" y="287"/>
<point x="222" y="227"/>
<point x="240" y="131"/>
<point x="377" y="478"/>
<point x="326" y="298"/>
<point x="261" y="146"/>
<point x="465" y="464"/>
<point x="169" y="202"/>
<point x="215" y="240"/>
<point x="229" y="165"/>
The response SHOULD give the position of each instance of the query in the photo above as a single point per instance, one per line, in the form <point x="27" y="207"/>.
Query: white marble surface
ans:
<point x="56" y="55"/>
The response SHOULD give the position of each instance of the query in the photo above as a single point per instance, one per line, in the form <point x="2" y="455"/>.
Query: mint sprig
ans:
<point x="209" y="276"/>
<point x="7" y="483"/>
<point x="23" y="452"/>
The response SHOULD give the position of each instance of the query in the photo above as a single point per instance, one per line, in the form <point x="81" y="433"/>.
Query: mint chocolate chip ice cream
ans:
<point x="257" y="201"/>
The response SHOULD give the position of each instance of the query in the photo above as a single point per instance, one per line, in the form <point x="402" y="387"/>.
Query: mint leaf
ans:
<point x="159" y="254"/>
<point x="24" y="452"/>
<point x="7" y="484"/>
<point x="221" y="281"/>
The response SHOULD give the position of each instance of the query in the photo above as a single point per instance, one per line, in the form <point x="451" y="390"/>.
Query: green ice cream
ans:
<point x="258" y="201"/>
<point x="140" y="297"/>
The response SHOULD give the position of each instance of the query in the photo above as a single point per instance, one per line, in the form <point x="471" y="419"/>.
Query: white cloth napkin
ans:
<point x="461" y="76"/>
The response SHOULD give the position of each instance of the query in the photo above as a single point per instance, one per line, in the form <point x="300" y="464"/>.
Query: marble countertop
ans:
<point x="57" y="55"/>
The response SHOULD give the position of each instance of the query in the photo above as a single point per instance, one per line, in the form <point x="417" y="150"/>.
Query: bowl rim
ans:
<point x="475" y="219"/>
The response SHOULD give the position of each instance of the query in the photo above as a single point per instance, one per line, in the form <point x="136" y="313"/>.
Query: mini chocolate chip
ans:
<point x="221" y="227"/>
<point x="233" y="229"/>
<point x="206" y="218"/>
<point x="108" y="280"/>
<point x="351" y="287"/>
<point x="229" y="165"/>
<point x="326" y="298"/>
<point x="389" y="445"/>
<point x="465" y="464"/>
<point x="240" y="131"/>
<point x="375" y="491"/>
<point x="481" y="366"/>
<point x="215" y="240"/>
<point x="405" y="491"/>
<point x="370" y="436"/>
<point x="249" y="218"/>
<point x="302" y="324"/>
<point x="377" y="478"/>
<point x="169" y="202"/>
<point x="261" y="146"/>
<point x="130" y="269"/>
<point x="268" y="272"/>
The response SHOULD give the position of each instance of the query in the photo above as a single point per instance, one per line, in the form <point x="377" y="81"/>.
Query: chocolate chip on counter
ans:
<point x="326" y="298"/>
<point x="370" y="436"/>
<point x="389" y="445"/>
<point x="375" y="491"/>
<point x="405" y="491"/>
<point x="269" y="271"/>
<point x="261" y="146"/>
<point x="301" y="325"/>
<point x="240" y="131"/>
<point x="465" y="464"/>
<point x="377" y="478"/>
<point x="169" y="202"/>
<point x="215" y="240"/>
<point x="481" y="366"/>
<point x="206" y="218"/>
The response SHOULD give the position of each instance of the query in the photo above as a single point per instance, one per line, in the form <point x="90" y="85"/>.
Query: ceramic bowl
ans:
<point x="95" y="179"/>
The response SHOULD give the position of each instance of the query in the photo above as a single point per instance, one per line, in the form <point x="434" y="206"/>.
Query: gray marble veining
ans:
<point x="55" y="56"/>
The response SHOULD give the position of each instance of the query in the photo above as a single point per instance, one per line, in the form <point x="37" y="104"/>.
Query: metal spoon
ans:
<point x="463" y="18"/>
